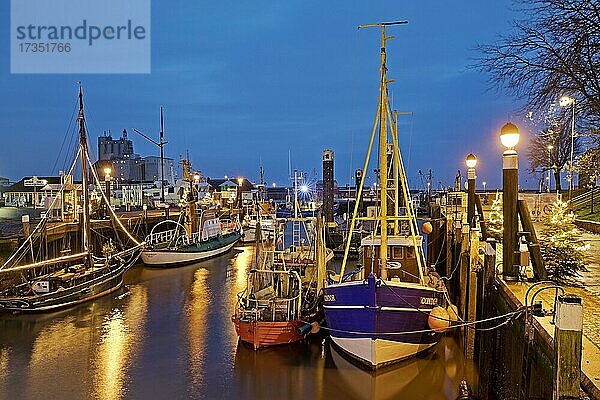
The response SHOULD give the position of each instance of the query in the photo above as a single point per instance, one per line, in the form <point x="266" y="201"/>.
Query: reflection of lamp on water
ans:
<point x="509" y="136"/>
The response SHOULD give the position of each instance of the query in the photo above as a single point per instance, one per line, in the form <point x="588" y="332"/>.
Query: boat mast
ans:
<point x="87" y="240"/>
<point x="381" y="120"/>
<point x="162" y="157"/>
<point x="383" y="160"/>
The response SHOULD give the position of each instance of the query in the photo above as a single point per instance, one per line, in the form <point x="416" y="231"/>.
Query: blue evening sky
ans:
<point x="248" y="81"/>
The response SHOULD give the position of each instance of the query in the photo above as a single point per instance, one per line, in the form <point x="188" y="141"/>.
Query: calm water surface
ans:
<point x="167" y="334"/>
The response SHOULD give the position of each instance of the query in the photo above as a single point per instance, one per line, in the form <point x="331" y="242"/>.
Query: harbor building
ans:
<point x="126" y="165"/>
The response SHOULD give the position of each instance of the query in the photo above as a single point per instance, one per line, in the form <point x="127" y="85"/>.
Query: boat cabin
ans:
<point x="402" y="262"/>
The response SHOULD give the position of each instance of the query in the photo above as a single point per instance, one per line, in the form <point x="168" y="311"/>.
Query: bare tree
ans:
<point x="553" y="51"/>
<point x="556" y="157"/>
<point x="550" y="144"/>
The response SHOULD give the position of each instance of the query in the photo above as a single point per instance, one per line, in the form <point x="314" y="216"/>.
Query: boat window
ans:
<point x="397" y="252"/>
<point x="410" y="252"/>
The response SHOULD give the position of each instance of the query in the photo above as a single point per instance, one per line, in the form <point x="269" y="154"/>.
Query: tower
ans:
<point x="328" y="185"/>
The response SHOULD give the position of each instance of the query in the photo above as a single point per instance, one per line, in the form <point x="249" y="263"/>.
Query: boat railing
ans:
<point x="161" y="237"/>
<point x="291" y="306"/>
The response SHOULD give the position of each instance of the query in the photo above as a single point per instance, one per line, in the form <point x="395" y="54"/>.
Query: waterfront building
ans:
<point x="126" y="165"/>
<point x="28" y="192"/>
<point x="151" y="170"/>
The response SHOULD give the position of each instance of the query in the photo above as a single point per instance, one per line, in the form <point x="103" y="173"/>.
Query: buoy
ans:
<point x="452" y="312"/>
<point x="438" y="320"/>
<point x="427" y="228"/>
<point x="315" y="327"/>
<point x="305" y="329"/>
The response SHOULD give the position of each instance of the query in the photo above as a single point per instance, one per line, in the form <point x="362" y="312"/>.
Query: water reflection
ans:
<point x="83" y="352"/>
<point x="199" y="302"/>
<point x="317" y="370"/>
<point x="169" y="335"/>
<point x="122" y="334"/>
<point x="4" y="358"/>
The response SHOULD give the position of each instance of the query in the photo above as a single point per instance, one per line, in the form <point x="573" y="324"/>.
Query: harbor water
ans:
<point x="167" y="334"/>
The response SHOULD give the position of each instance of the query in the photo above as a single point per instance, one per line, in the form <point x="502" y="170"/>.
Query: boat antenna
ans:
<point x="382" y="24"/>
<point x="161" y="145"/>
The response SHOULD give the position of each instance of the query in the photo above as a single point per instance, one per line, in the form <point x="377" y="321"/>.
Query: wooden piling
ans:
<point x="436" y="250"/>
<point x="510" y="193"/>
<point x="486" y="338"/>
<point x="469" y="347"/>
<point x="482" y="224"/>
<point x="532" y="241"/>
<point x="26" y="225"/>
<point x="463" y="271"/>
<point x="567" y="347"/>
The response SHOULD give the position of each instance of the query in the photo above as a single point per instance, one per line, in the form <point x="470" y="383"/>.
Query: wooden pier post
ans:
<point x="510" y="184"/>
<point x="532" y="242"/>
<point x="472" y="300"/>
<point x="26" y="225"/>
<point x="482" y="224"/>
<point x="567" y="347"/>
<point x="487" y="338"/>
<point x="463" y="272"/>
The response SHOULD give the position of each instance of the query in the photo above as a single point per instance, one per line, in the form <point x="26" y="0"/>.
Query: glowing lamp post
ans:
<point x="471" y="162"/>
<point x="509" y="136"/>
<point x="566" y="101"/>
<point x="550" y="147"/>
<point x="240" y="182"/>
<point x="107" y="172"/>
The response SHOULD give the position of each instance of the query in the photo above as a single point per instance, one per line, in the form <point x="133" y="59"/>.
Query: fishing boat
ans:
<point x="381" y="312"/>
<point x="49" y="283"/>
<point x="282" y="300"/>
<point x="262" y="213"/>
<point x="197" y="238"/>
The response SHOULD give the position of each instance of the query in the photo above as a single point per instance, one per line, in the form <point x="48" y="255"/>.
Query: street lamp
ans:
<point x="240" y="182"/>
<point x="566" y="101"/>
<point x="107" y="172"/>
<point x="471" y="162"/>
<point x="509" y="136"/>
<point x="550" y="147"/>
<point x="484" y="183"/>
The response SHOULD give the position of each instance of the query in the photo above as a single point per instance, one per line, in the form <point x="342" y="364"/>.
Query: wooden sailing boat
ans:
<point x="70" y="279"/>
<point x="379" y="313"/>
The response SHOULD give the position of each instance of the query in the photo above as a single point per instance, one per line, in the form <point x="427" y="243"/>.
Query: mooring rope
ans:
<point x="510" y="316"/>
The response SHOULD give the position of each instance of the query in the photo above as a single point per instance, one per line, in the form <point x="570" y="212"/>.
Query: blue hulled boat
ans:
<point x="380" y="313"/>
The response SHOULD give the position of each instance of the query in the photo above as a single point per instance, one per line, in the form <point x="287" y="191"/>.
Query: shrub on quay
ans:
<point x="562" y="245"/>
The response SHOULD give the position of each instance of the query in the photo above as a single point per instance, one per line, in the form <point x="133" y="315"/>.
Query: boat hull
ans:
<point x="168" y="258"/>
<point x="264" y="334"/>
<point x="72" y="296"/>
<point x="379" y="323"/>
